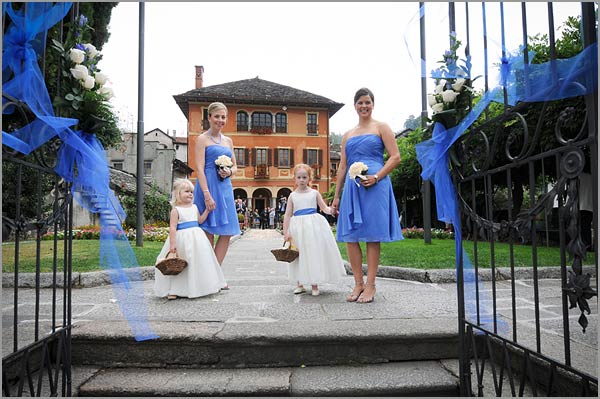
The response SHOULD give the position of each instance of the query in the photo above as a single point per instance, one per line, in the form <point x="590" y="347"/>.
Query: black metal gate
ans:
<point x="520" y="178"/>
<point x="37" y="213"/>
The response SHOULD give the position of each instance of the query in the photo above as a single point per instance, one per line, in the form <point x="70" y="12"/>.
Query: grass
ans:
<point x="413" y="253"/>
<point x="85" y="255"/>
<point x="440" y="254"/>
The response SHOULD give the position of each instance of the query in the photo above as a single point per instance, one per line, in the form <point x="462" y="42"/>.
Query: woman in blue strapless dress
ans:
<point x="213" y="186"/>
<point x="367" y="208"/>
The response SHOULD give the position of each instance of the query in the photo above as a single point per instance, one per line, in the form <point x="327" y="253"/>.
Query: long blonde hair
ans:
<point x="178" y="187"/>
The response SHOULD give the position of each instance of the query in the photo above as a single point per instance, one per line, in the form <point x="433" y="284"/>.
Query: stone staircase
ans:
<point x="262" y="358"/>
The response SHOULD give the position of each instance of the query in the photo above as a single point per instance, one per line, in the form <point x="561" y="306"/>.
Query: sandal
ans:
<point x="356" y="292"/>
<point x="363" y="297"/>
<point x="170" y="297"/>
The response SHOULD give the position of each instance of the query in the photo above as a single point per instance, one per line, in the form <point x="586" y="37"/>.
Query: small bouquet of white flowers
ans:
<point x="358" y="170"/>
<point x="224" y="163"/>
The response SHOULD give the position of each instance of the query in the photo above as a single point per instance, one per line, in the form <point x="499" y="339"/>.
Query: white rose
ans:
<point x="437" y="107"/>
<point x="89" y="82"/>
<point x="80" y="72"/>
<point x="449" y="96"/>
<point x="357" y="169"/>
<point x="101" y="78"/>
<point x="440" y="88"/>
<point x="76" y="55"/>
<point x="457" y="86"/>
<point x="91" y="49"/>
<point x="107" y="92"/>
<point x="431" y="100"/>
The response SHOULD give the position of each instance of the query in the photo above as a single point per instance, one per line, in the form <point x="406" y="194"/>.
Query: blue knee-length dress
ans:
<point x="367" y="214"/>
<point x="223" y="220"/>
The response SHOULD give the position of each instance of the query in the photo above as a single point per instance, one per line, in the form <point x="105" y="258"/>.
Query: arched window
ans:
<point x="281" y="122"/>
<point x="262" y="122"/>
<point x="242" y="121"/>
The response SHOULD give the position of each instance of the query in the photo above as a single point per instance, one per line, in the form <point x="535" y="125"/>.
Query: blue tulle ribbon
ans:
<point x="305" y="211"/>
<point x="553" y="80"/>
<point x="81" y="158"/>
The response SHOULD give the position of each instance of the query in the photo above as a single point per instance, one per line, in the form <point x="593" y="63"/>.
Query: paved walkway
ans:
<point x="261" y="293"/>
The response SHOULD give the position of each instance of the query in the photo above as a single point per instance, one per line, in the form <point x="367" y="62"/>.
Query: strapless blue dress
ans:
<point x="223" y="220"/>
<point x="367" y="214"/>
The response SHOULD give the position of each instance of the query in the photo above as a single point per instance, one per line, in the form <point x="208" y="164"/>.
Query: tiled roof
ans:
<point x="255" y="91"/>
<point x="124" y="182"/>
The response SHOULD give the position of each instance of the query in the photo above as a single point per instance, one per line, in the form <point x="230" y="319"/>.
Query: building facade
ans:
<point x="165" y="158"/>
<point x="273" y="127"/>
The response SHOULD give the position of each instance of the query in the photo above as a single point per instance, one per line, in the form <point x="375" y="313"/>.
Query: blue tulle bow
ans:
<point x="81" y="158"/>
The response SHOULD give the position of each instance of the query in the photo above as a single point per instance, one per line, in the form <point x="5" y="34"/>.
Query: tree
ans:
<point x="412" y="122"/>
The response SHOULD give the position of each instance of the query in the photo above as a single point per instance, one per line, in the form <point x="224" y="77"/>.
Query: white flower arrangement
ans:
<point x="358" y="170"/>
<point x="85" y="91"/>
<point x="450" y="99"/>
<point x="224" y="163"/>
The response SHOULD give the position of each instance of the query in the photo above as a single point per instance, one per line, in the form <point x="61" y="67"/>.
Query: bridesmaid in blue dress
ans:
<point x="213" y="186"/>
<point x="367" y="209"/>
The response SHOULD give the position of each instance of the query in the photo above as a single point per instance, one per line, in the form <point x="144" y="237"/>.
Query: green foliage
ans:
<point x="156" y="207"/>
<point x="90" y="106"/>
<point x="406" y="177"/>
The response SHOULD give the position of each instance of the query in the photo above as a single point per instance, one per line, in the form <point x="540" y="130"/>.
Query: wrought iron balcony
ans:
<point x="261" y="171"/>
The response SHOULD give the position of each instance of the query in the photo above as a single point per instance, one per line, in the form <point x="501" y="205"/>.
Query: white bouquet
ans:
<point x="224" y="163"/>
<point x="358" y="170"/>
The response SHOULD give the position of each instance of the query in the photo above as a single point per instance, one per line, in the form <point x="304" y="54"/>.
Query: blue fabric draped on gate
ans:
<point x="553" y="80"/>
<point x="81" y="158"/>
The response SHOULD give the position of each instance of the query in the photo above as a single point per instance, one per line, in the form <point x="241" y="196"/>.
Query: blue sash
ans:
<point x="188" y="225"/>
<point x="305" y="211"/>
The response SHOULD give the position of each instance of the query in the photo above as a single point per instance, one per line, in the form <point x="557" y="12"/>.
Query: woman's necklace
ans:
<point x="211" y="137"/>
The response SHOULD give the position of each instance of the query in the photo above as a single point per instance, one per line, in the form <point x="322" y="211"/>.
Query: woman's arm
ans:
<point x="391" y="145"/>
<point x="341" y="177"/>
<point x="233" y="168"/>
<point x="173" y="220"/>
<point x="199" y="152"/>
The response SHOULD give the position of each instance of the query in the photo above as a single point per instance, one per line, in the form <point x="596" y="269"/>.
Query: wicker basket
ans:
<point x="171" y="265"/>
<point x="284" y="254"/>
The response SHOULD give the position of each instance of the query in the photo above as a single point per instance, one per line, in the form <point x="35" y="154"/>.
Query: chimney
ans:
<point x="199" y="76"/>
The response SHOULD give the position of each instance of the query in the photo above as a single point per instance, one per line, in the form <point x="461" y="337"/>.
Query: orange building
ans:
<point x="272" y="126"/>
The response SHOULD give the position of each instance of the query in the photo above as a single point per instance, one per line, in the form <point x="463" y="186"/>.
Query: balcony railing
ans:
<point x="281" y="128"/>
<point x="312" y="129"/>
<point x="242" y="127"/>
<point x="316" y="171"/>
<point x="261" y="129"/>
<point x="261" y="171"/>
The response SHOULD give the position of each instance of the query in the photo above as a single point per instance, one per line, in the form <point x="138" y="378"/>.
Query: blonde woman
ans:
<point x="214" y="190"/>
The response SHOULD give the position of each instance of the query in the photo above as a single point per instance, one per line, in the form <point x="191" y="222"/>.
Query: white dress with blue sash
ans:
<point x="320" y="260"/>
<point x="203" y="275"/>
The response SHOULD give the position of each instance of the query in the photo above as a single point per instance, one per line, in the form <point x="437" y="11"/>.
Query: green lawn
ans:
<point x="440" y="254"/>
<point x="85" y="255"/>
<point x="412" y="253"/>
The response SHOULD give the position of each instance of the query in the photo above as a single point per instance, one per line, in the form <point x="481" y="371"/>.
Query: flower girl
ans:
<point x="203" y="275"/>
<point x="319" y="260"/>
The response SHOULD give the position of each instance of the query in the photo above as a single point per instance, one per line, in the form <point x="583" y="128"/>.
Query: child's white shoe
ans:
<point x="315" y="292"/>
<point x="299" y="290"/>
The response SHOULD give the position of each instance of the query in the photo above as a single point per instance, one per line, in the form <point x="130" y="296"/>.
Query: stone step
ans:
<point x="265" y="344"/>
<point x="413" y="378"/>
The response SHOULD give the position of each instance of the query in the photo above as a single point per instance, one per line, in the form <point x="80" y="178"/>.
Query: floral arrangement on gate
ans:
<point x="451" y="99"/>
<point x="358" y="170"/>
<point x="85" y="89"/>
<point x="224" y="163"/>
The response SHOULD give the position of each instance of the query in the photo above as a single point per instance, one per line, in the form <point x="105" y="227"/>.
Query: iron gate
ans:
<point x="37" y="214"/>
<point x="520" y="179"/>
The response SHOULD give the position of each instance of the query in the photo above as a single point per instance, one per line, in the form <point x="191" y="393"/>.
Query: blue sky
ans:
<point x="330" y="49"/>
